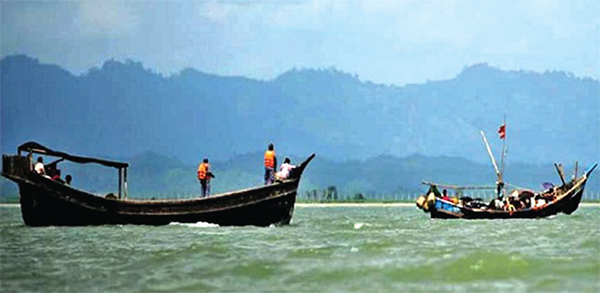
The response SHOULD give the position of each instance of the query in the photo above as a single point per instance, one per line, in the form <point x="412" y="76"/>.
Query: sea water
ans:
<point x="325" y="249"/>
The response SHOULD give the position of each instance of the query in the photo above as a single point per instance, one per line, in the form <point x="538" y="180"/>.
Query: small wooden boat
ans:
<point x="525" y="204"/>
<point x="46" y="202"/>
<point x="519" y="204"/>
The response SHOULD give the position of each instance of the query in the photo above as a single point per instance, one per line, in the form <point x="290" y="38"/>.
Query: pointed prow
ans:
<point x="589" y="171"/>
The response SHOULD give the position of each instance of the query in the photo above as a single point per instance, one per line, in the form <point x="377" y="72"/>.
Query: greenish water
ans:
<point x="369" y="249"/>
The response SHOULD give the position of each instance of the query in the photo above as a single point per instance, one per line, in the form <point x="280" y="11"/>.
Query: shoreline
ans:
<point x="342" y="204"/>
<point x="397" y="204"/>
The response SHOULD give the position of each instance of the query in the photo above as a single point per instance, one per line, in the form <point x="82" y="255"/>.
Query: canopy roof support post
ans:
<point x="30" y="156"/>
<point x="120" y="182"/>
<point x="125" y="183"/>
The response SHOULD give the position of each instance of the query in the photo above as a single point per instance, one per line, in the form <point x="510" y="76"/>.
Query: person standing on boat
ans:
<point x="270" y="163"/>
<point x="204" y="176"/>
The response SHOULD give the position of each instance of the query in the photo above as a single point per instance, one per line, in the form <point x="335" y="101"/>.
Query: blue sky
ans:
<point x="390" y="42"/>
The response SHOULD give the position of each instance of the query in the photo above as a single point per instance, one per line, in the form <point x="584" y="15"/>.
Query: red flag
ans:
<point x="502" y="131"/>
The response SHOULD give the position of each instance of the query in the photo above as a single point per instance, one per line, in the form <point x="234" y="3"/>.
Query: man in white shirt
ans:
<point x="39" y="166"/>
<point x="285" y="169"/>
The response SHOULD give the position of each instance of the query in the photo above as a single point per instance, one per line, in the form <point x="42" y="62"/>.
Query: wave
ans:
<point x="195" y="225"/>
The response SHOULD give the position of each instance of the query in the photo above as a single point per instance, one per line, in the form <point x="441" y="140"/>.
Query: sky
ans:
<point x="388" y="42"/>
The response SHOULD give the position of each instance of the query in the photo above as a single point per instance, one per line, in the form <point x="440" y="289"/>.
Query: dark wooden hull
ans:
<point x="567" y="203"/>
<point x="573" y="203"/>
<point x="45" y="202"/>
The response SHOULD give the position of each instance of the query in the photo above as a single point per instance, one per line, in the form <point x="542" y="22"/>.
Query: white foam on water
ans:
<point x="195" y="225"/>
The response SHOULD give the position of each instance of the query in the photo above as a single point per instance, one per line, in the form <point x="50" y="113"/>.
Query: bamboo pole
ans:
<point x="561" y="173"/>
<point x="487" y="145"/>
<point x="503" y="154"/>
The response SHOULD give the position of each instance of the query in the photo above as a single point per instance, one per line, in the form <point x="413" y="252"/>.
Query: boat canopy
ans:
<point x="37" y="148"/>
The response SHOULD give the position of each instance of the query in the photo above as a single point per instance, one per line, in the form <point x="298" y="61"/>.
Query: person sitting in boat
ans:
<point x="56" y="176"/>
<point x="445" y="195"/>
<point x="526" y="198"/>
<point x="496" y="204"/>
<point x="284" y="170"/>
<point x="270" y="163"/>
<point x="204" y="176"/>
<point x="550" y="195"/>
<point x="539" y="200"/>
<point x="68" y="179"/>
<point x="513" y="202"/>
<point x="39" y="166"/>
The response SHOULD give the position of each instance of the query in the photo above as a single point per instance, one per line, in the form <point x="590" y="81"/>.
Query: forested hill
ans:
<point x="123" y="109"/>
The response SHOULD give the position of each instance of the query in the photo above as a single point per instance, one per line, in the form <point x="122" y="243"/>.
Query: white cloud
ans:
<point x="106" y="18"/>
<point x="215" y="11"/>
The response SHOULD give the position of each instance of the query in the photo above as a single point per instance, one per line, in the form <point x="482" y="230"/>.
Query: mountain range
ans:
<point x="368" y="137"/>
<point x="122" y="109"/>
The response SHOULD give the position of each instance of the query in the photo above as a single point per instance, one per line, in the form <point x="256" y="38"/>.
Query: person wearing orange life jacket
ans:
<point x="204" y="176"/>
<point x="270" y="163"/>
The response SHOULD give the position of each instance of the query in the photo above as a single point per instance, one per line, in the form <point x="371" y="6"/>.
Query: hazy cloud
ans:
<point x="384" y="41"/>
<point x="107" y="18"/>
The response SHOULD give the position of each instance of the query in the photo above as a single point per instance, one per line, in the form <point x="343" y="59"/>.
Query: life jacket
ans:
<point x="202" y="170"/>
<point x="270" y="159"/>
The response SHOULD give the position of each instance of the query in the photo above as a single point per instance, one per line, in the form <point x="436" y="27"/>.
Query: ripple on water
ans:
<point x="325" y="249"/>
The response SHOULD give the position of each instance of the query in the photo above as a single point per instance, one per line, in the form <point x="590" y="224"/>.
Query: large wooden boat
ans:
<point x="524" y="203"/>
<point x="46" y="202"/>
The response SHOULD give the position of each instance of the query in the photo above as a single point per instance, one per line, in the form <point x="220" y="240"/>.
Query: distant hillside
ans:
<point x="123" y="109"/>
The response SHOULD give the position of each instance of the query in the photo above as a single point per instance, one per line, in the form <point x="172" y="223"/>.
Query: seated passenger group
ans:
<point x="51" y="172"/>
<point x="517" y="200"/>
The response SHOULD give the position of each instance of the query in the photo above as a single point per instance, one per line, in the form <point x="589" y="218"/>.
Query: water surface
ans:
<point x="324" y="249"/>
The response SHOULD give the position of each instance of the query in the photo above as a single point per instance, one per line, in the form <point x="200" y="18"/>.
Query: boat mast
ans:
<point x="503" y="149"/>
<point x="502" y="159"/>
<point x="500" y="182"/>
<point x="489" y="150"/>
